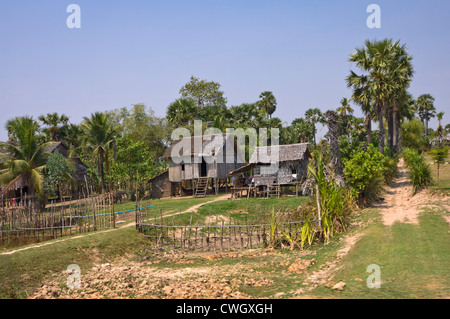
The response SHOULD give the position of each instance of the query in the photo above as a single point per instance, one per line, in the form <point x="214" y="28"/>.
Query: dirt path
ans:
<point x="401" y="206"/>
<point x="132" y="224"/>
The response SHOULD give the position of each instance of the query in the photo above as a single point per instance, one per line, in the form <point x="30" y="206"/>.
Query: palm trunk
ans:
<point x="390" y="130"/>
<point x="395" y="129"/>
<point x="102" y="173"/>
<point x="368" y="125"/>
<point x="381" y="134"/>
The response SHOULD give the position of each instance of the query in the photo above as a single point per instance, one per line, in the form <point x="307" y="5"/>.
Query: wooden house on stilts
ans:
<point x="203" y="159"/>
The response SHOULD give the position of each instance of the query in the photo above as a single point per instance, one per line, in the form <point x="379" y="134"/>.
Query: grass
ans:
<point x="444" y="175"/>
<point x="414" y="259"/>
<point x="23" y="271"/>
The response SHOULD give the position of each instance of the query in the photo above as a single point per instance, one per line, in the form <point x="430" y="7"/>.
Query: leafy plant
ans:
<point x="364" y="173"/>
<point x="439" y="156"/>
<point x="419" y="170"/>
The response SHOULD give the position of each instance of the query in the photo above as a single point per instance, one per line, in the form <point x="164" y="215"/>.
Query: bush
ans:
<point x="419" y="171"/>
<point x="364" y="173"/>
<point x="411" y="133"/>
<point x="409" y="154"/>
<point x="390" y="171"/>
<point x="335" y="201"/>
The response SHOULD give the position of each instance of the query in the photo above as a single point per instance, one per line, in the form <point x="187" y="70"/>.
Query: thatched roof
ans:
<point x="17" y="183"/>
<point x="64" y="150"/>
<point x="242" y="169"/>
<point x="291" y="152"/>
<point x="211" y="145"/>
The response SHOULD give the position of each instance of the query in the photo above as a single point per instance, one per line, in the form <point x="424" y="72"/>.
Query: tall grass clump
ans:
<point x="419" y="171"/>
<point x="390" y="171"/>
<point x="334" y="201"/>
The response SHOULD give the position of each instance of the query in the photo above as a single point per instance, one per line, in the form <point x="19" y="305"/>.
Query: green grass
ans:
<point x="414" y="261"/>
<point x="23" y="271"/>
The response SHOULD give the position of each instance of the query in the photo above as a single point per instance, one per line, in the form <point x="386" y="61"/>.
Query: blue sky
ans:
<point x="129" y="52"/>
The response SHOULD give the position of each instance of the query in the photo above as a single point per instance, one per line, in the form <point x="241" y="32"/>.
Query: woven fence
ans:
<point x="23" y="221"/>
<point x="181" y="231"/>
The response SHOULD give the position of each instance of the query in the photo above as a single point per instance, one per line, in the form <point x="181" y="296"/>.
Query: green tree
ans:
<point x="267" y="102"/>
<point x="425" y="108"/>
<point x="23" y="155"/>
<point x="133" y="158"/>
<point x="182" y="112"/>
<point x="387" y="72"/>
<point x="439" y="155"/>
<point x="205" y="93"/>
<point x="54" y="123"/>
<point x="411" y="134"/>
<point x="314" y="116"/>
<point x="99" y="137"/>
<point x="58" y="174"/>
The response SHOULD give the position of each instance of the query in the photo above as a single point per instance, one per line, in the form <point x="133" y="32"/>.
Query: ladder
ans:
<point x="201" y="187"/>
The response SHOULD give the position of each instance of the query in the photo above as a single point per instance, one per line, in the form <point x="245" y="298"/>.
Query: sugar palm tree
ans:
<point x="268" y="102"/>
<point x="23" y="156"/>
<point x="362" y="97"/>
<point x="99" y="137"/>
<point x="54" y="122"/>
<point x="182" y="112"/>
<point x="314" y="116"/>
<point x="387" y="72"/>
<point x="426" y="109"/>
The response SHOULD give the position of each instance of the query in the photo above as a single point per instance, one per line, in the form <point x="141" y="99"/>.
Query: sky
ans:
<point x="135" y="51"/>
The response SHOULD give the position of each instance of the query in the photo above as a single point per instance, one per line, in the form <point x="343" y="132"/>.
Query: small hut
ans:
<point x="291" y="164"/>
<point x="203" y="158"/>
<point x="161" y="187"/>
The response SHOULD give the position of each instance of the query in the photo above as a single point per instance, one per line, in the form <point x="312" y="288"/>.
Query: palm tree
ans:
<point x="268" y="102"/>
<point x="387" y="72"/>
<point x="99" y="137"/>
<point x="53" y="121"/>
<point x="363" y="97"/>
<point x="23" y="156"/>
<point x="439" y="116"/>
<point x="314" y="116"/>
<point x="182" y="112"/>
<point x="426" y="109"/>
<point x="345" y="108"/>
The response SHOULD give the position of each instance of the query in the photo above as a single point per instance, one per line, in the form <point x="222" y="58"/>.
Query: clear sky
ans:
<point x="137" y="51"/>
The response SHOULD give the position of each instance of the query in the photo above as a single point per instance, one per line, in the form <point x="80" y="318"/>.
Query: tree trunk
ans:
<point x="333" y="132"/>
<point x="390" y="130"/>
<point x="381" y="134"/>
<point x="395" y="129"/>
<point x="368" y="125"/>
<point x="102" y="173"/>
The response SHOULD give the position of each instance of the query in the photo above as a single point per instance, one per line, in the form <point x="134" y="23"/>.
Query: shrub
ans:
<point x="390" y="171"/>
<point x="409" y="154"/>
<point x="334" y="201"/>
<point x="364" y="173"/>
<point x="411" y="133"/>
<point x="419" y="171"/>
